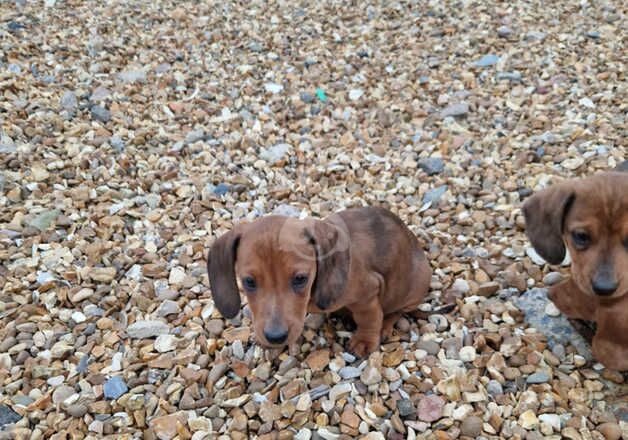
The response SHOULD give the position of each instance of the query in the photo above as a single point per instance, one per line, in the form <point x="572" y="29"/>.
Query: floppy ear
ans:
<point x="221" y="268"/>
<point x="332" y="262"/>
<point x="545" y="214"/>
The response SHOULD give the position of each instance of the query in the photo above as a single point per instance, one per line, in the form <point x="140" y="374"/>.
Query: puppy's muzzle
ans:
<point x="604" y="282"/>
<point x="275" y="334"/>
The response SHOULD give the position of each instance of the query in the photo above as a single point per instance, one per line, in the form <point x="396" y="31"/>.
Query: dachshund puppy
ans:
<point x="364" y="259"/>
<point x="588" y="216"/>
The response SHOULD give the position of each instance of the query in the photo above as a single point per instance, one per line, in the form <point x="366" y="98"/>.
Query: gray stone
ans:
<point x="536" y="378"/>
<point x="82" y="366"/>
<point x="254" y="46"/>
<point x="433" y="195"/>
<point x="69" y="101"/>
<point x="100" y="114"/>
<point x="8" y="416"/>
<point x="132" y="76"/>
<point x="147" y="329"/>
<point x="6" y="144"/>
<point x="115" y="387"/>
<point x="494" y="388"/>
<point x="510" y="76"/>
<point x="457" y="109"/>
<point x="432" y="165"/>
<point x="306" y="97"/>
<point x="486" y="61"/>
<point x="275" y="153"/>
<point x="117" y="143"/>
<point x="195" y="136"/>
<point x="406" y="407"/>
<point x="168" y="307"/>
<point x="287" y="210"/>
<point x="430" y="347"/>
<point x="504" y="31"/>
<point x="349" y="372"/>
<point x="45" y="219"/>
<point x="471" y="427"/>
<point x="557" y="329"/>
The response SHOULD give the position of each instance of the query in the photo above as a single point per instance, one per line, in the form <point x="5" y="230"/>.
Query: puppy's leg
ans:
<point x="572" y="301"/>
<point x="368" y="317"/>
<point x="389" y="323"/>
<point x="610" y="353"/>
<point x="610" y="344"/>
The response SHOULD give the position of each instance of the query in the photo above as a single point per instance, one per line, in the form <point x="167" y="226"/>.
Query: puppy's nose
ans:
<point x="276" y="335"/>
<point x="604" y="285"/>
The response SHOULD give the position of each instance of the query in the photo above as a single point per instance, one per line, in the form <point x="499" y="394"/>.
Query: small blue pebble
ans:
<point x="221" y="189"/>
<point x="82" y="366"/>
<point x="115" y="387"/>
<point x="487" y="60"/>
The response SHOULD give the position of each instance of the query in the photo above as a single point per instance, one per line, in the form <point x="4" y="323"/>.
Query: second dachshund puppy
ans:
<point x="588" y="216"/>
<point x="364" y="259"/>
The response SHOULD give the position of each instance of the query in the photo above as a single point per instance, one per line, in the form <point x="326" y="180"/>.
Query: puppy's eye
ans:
<point x="581" y="239"/>
<point x="249" y="284"/>
<point x="299" y="282"/>
<point x="626" y="243"/>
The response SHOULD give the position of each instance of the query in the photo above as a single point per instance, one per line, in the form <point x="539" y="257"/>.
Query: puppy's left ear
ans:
<point x="545" y="214"/>
<point x="221" y="269"/>
<point x="332" y="261"/>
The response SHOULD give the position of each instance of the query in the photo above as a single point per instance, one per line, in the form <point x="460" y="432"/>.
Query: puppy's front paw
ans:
<point x="611" y="355"/>
<point x="362" y="346"/>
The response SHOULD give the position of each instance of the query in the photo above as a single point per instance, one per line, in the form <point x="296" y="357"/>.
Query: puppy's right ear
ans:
<point x="221" y="268"/>
<point x="545" y="214"/>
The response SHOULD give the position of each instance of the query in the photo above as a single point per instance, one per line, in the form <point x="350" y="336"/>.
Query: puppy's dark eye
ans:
<point x="249" y="284"/>
<point x="626" y="243"/>
<point x="581" y="239"/>
<point x="299" y="282"/>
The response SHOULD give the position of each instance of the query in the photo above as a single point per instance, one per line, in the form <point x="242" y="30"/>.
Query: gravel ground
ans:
<point x="133" y="133"/>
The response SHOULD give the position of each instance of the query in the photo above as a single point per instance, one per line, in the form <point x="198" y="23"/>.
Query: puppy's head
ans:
<point x="280" y="264"/>
<point x="589" y="217"/>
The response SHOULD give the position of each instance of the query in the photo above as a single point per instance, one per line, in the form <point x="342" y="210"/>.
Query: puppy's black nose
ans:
<point x="276" y="335"/>
<point x="604" y="286"/>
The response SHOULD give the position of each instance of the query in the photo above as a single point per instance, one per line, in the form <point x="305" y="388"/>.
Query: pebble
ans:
<point x="69" y="101"/>
<point x="432" y="196"/>
<point x="487" y="60"/>
<point x="458" y="109"/>
<point x="552" y="420"/>
<point x="552" y="278"/>
<point x="430" y="408"/>
<point x="350" y="373"/>
<point x="147" y="329"/>
<point x="273" y="87"/>
<point x="432" y="165"/>
<point x="471" y="427"/>
<point x="339" y="391"/>
<point x="100" y="114"/>
<point x="165" y="343"/>
<point x="8" y="416"/>
<point x="114" y="387"/>
<point x="168" y="307"/>
<point x="540" y="377"/>
<point x="551" y="309"/>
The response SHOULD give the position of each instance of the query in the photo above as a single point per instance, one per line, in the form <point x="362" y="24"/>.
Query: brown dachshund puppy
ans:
<point x="588" y="216"/>
<point x="364" y="259"/>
